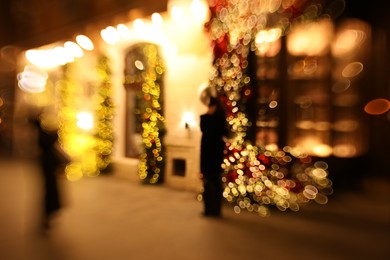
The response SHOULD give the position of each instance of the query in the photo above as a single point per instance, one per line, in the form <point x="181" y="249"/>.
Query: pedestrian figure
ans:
<point x="50" y="162"/>
<point x="213" y="127"/>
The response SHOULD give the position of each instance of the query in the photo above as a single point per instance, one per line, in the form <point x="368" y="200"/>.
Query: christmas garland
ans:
<point x="152" y="161"/>
<point x="90" y="152"/>
<point x="254" y="177"/>
<point x="104" y="114"/>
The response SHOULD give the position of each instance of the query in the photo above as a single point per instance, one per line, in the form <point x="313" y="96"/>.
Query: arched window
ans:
<point x="140" y="61"/>
<point x="145" y="127"/>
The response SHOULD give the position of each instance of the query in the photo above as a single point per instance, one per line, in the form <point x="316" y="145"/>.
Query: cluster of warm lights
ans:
<point x="74" y="138"/>
<point x="60" y="55"/>
<point x="90" y="153"/>
<point x="152" y="29"/>
<point x="147" y="29"/>
<point x="104" y="113"/>
<point x="284" y="178"/>
<point x="69" y="51"/>
<point x="254" y="176"/>
<point x="86" y="135"/>
<point x="33" y="78"/>
<point x="152" y="161"/>
<point x="348" y="50"/>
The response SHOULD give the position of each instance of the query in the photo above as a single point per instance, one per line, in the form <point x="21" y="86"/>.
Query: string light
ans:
<point x="255" y="177"/>
<point x="86" y="137"/>
<point x="152" y="162"/>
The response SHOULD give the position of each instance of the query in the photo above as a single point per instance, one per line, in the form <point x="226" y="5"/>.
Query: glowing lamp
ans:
<point x="84" y="120"/>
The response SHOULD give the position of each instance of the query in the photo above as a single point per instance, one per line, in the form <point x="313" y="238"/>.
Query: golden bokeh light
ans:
<point x="157" y="20"/>
<point x="110" y="35"/>
<point x="123" y="31"/>
<point x="347" y="41"/>
<point x="200" y="10"/>
<point x="352" y="69"/>
<point x="73" y="49"/>
<point x="84" y="120"/>
<point x="84" y="42"/>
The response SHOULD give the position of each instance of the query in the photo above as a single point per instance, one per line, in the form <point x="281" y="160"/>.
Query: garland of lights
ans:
<point x="254" y="177"/>
<point x="89" y="153"/>
<point x="104" y="114"/>
<point x="152" y="159"/>
<point x="68" y="136"/>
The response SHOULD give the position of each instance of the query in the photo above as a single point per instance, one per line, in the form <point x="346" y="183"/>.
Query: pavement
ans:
<point x="108" y="217"/>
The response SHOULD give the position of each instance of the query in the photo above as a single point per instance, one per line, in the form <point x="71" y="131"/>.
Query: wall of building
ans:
<point x="186" y="51"/>
<point x="187" y="54"/>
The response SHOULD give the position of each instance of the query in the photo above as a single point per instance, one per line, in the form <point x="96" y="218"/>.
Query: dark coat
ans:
<point x="50" y="163"/>
<point x="213" y="127"/>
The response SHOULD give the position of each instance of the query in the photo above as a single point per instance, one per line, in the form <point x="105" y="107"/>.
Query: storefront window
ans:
<point x="143" y="83"/>
<point x="317" y="82"/>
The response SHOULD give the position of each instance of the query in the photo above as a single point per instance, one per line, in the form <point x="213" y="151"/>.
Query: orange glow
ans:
<point x="377" y="106"/>
<point x="352" y="70"/>
<point x="268" y="42"/>
<point x="347" y="41"/>
<point x="344" y="150"/>
<point x="351" y="37"/>
<point x="312" y="39"/>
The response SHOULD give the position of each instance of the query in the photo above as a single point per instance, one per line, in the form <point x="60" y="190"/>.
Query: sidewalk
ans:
<point x="110" y="218"/>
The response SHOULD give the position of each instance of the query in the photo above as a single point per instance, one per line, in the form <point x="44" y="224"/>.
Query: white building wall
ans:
<point x="187" y="53"/>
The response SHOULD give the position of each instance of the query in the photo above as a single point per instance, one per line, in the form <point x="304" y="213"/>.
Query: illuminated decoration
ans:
<point x="74" y="49"/>
<point x="86" y="136"/>
<point x="111" y="35"/>
<point x="151" y="70"/>
<point x="255" y="177"/>
<point x="157" y="20"/>
<point x="200" y="10"/>
<point x="188" y="120"/>
<point x="104" y="114"/>
<point x="76" y="142"/>
<point x="311" y="39"/>
<point x="84" y="120"/>
<point x="32" y="79"/>
<point x="123" y="31"/>
<point x="85" y="42"/>
<point x="139" y="25"/>
<point x="56" y="56"/>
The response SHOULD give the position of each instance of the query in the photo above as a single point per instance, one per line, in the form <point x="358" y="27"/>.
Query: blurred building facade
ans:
<point x="311" y="86"/>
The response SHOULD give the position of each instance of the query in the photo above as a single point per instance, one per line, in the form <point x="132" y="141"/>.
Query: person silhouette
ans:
<point x="213" y="128"/>
<point x="49" y="163"/>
